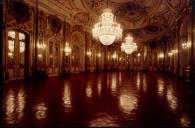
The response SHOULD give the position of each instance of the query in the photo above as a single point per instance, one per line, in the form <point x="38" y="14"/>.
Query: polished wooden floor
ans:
<point x="100" y="99"/>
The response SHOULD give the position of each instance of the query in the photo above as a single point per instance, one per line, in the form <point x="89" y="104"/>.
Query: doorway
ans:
<point x="54" y="58"/>
<point x="17" y="50"/>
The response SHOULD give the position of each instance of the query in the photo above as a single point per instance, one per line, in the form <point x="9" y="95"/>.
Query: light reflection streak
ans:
<point x="160" y="87"/>
<point x="144" y="83"/>
<point x="10" y="108"/>
<point x="138" y="81"/>
<point x="21" y="103"/>
<point x="88" y="91"/>
<point x="113" y="85"/>
<point x="99" y="89"/>
<point x="14" y="108"/>
<point x="185" y="120"/>
<point x="41" y="111"/>
<point x="172" y="99"/>
<point x="120" y="79"/>
<point x="103" y="120"/>
<point x="127" y="103"/>
<point x="67" y="98"/>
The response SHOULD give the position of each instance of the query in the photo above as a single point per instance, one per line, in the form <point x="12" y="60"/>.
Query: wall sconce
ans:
<point x="174" y="51"/>
<point x="161" y="55"/>
<point x="40" y="56"/>
<point x="89" y="53"/>
<point x="139" y="54"/>
<point x="10" y="54"/>
<point x="67" y="48"/>
<point x="99" y="54"/>
<point x="186" y="45"/>
<point x="170" y="54"/>
<point x="41" y="46"/>
<point x="114" y="56"/>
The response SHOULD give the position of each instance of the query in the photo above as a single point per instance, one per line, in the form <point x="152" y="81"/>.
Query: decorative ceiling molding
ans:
<point x="151" y="17"/>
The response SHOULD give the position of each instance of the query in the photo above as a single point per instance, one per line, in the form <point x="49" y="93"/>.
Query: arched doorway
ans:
<point x="17" y="55"/>
<point x="75" y="59"/>
<point x="78" y="52"/>
<point x="54" y="57"/>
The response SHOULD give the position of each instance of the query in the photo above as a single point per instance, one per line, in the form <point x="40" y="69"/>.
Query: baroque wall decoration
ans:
<point x="42" y="27"/>
<point x="19" y="11"/>
<point x="78" y="43"/>
<point x="55" y="24"/>
<point x="19" y="15"/>
<point x="82" y="18"/>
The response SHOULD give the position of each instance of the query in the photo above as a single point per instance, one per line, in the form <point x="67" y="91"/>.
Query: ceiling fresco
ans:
<point x="145" y="19"/>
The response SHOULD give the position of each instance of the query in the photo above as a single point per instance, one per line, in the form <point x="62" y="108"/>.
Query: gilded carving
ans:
<point x="19" y="15"/>
<point x="55" y="24"/>
<point x="42" y="27"/>
<point x="19" y="11"/>
<point x="82" y="18"/>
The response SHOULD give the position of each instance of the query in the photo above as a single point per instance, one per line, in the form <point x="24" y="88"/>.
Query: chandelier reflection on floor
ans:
<point x="128" y="46"/>
<point x="107" y="30"/>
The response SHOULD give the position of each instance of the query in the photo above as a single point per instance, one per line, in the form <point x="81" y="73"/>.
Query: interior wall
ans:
<point x="48" y="34"/>
<point x="88" y="54"/>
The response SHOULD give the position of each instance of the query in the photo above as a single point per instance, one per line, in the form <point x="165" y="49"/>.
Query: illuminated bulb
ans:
<point x="41" y="46"/>
<point x="161" y="55"/>
<point x="67" y="48"/>
<point x="174" y="51"/>
<point x="170" y="54"/>
<point x="89" y="53"/>
<point x="40" y="56"/>
<point x="99" y="54"/>
<point x="139" y="54"/>
<point x="10" y="54"/>
<point x="186" y="45"/>
<point x="114" y="56"/>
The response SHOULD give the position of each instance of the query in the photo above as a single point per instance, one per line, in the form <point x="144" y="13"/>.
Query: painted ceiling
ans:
<point x="144" y="19"/>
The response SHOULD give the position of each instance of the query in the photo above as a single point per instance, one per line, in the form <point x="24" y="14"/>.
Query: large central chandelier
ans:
<point x="107" y="30"/>
<point x="128" y="46"/>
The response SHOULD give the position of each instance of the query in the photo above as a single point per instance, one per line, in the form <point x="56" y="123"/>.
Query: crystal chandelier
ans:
<point x="107" y="30"/>
<point x="128" y="46"/>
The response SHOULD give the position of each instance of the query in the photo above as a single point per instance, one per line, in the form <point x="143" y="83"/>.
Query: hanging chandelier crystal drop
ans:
<point x="128" y="46"/>
<point x="107" y="30"/>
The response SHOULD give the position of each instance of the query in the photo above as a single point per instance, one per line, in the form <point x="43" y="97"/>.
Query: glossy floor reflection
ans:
<point x="100" y="99"/>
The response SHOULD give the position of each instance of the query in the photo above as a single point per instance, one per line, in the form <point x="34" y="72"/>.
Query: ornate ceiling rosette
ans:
<point x="147" y="19"/>
<point x="131" y="11"/>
